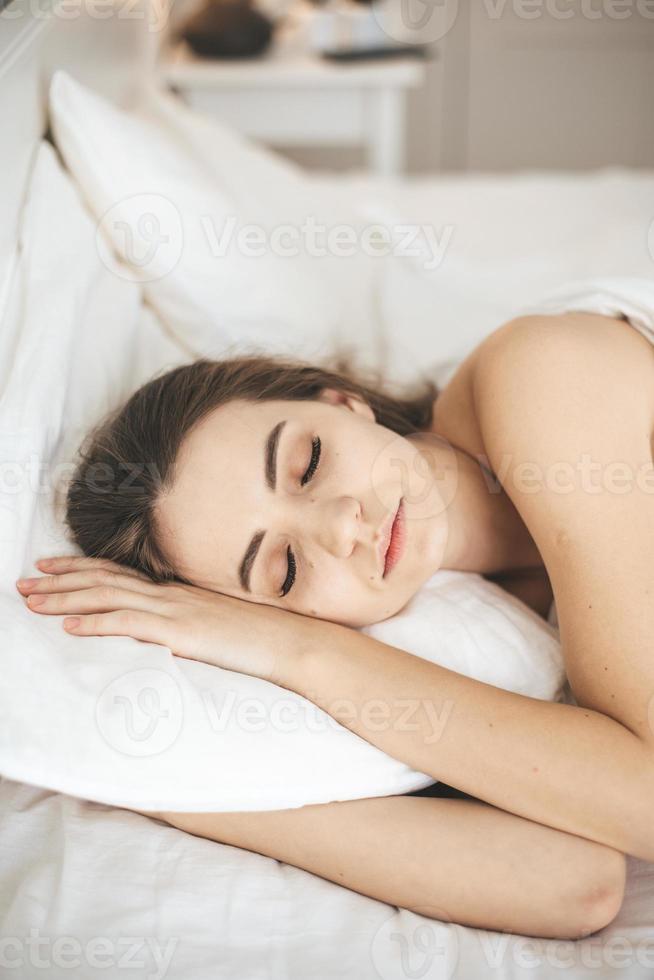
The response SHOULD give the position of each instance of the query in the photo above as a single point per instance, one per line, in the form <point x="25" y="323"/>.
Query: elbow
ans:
<point x="583" y="895"/>
<point x="599" y="897"/>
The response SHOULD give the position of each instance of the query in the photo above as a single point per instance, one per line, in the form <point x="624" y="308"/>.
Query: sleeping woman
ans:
<point x="252" y="512"/>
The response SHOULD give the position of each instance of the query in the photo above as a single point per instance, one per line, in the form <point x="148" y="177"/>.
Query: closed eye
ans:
<point x="313" y="463"/>
<point x="311" y="469"/>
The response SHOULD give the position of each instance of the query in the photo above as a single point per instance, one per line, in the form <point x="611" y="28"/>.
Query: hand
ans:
<point x="108" y="599"/>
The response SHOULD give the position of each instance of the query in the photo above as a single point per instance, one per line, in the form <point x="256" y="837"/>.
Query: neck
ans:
<point x="483" y="531"/>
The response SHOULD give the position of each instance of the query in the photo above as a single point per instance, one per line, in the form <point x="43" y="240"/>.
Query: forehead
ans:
<point x="208" y="516"/>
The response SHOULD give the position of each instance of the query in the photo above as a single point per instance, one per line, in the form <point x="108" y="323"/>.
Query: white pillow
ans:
<point x="175" y="193"/>
<point x="124" y="722"/>
<point x="468" y="624"/>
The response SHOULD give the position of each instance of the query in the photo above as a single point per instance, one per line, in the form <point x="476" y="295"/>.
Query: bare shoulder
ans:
<point x="537" y="380"/>
<point x="541" y="377"/>
<point x="539" y="353"/>
<point x="566" y="410"/>
<point x="543" y="363"/>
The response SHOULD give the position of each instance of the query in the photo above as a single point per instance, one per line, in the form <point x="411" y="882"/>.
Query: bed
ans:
<point x="87" y="888"/>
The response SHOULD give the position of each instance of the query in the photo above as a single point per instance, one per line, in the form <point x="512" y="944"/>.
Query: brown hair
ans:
<point x="127" y="462"/>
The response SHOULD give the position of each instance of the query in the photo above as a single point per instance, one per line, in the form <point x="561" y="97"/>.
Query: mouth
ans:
<point x="391" y="545"/>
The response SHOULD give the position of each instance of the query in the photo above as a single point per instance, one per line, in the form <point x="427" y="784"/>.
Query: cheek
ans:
<point x="336" y="604"/>
<point x="355" y="607"/>
<point x="359" y="455"/>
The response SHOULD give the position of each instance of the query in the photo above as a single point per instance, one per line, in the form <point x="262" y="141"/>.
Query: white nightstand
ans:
<point x="299" y="99"/>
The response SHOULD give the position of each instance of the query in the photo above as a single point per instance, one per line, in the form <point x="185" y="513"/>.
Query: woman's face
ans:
<point x="327" y="487"/>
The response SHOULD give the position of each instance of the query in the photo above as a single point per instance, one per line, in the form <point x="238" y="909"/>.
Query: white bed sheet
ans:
<point x="183" y="908"/>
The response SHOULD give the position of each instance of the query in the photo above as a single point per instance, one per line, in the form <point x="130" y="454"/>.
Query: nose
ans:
<point x="336" y="525"/>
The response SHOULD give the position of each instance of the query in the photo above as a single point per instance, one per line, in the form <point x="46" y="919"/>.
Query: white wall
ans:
<point x="553" y="91"/>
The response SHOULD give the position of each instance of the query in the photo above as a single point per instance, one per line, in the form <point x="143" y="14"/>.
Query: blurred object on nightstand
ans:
<point x="228" y="29"/>
<point x="356" y="26"/>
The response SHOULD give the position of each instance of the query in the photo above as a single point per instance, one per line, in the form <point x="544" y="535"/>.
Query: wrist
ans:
<point x="296" y="642"/>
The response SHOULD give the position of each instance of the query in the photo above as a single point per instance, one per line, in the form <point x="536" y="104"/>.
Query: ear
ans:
<point x="332" y="396"/>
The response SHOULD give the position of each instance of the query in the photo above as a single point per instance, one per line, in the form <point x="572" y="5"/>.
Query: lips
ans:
<point x="391" y="545"/>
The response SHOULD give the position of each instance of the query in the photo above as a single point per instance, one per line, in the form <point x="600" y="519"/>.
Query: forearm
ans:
<point x="568" y="767"/>
<point x="454" y="860"/>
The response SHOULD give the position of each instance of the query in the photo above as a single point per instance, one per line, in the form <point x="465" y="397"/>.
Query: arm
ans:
<point x="442" y="858"/>
<point x="504" y="748"/>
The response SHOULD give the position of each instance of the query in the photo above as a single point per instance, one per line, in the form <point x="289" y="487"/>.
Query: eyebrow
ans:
<point x="270" y="473"/>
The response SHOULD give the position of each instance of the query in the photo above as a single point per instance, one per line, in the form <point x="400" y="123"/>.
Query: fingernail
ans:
<point x="71" y="622"/>
<point x="26" y="583"/>
<point x="36" y="600"/>
<point x="45" y="562"/>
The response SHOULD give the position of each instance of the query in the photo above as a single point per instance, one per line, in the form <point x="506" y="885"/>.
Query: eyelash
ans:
<point x="311" y="469"/>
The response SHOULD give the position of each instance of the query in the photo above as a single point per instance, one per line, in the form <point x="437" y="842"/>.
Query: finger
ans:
<point x="72" y="562"/>
<point x="81" y="579"/>
<point x="137" y="623"/>
<point x="99" y="598"/>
